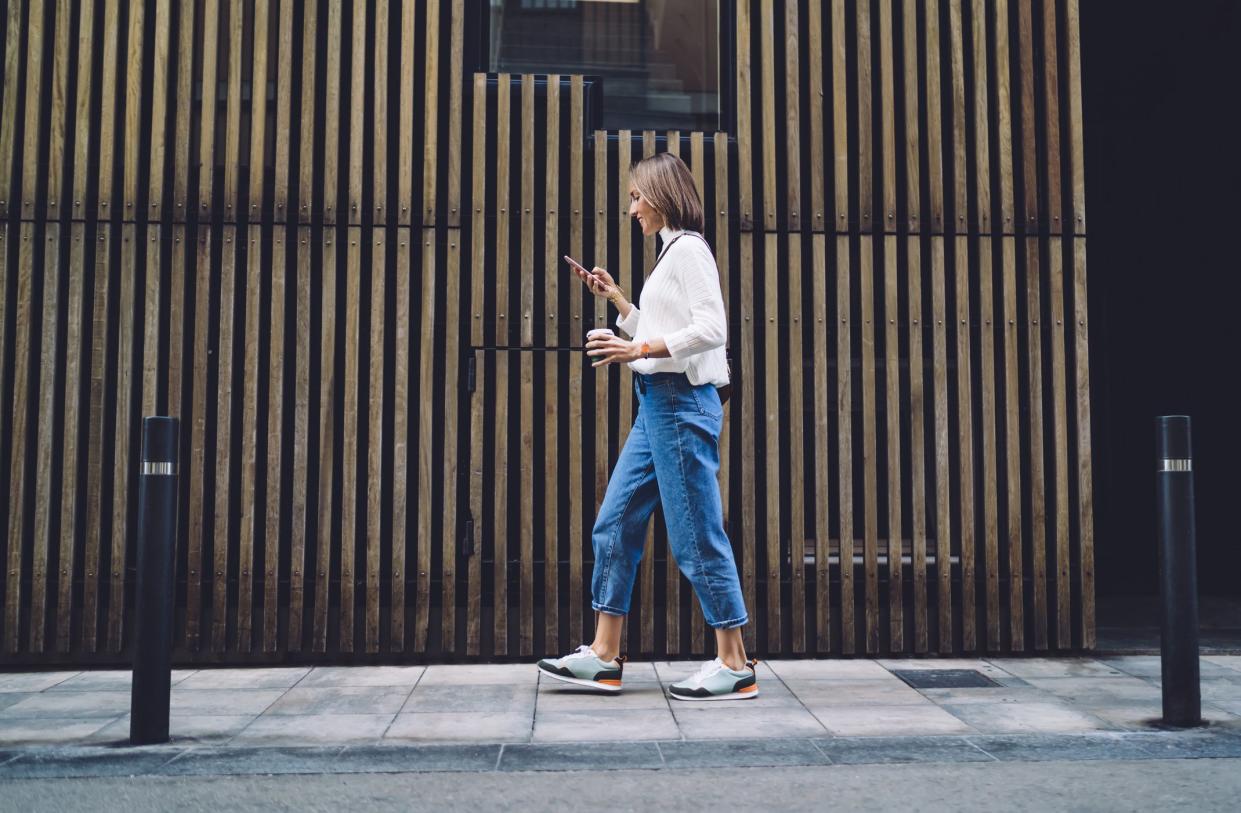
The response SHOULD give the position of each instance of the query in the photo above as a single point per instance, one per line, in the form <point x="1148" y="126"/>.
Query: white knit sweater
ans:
<point x="682" y="304"/>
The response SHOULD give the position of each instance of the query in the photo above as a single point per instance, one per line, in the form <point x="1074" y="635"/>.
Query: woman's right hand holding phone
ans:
<point x="598" y="280"/>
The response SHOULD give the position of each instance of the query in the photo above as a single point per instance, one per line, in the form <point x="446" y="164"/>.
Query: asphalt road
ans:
<point x="1197" y="784"/>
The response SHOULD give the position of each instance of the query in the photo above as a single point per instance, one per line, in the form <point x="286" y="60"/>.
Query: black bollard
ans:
<point x="157" y="535"/>
<point x="1182" y="700"/>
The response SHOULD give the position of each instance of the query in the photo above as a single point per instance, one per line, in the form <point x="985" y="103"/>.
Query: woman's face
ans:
<point x="648" y="218"/>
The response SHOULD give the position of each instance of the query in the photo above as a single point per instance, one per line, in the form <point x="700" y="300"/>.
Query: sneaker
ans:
<point x="584" y="668"/>
<point x="715" y="681"/>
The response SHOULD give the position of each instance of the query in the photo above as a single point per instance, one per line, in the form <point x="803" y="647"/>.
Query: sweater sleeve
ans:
<point x="708" y="327"/>
<point x="629" y="323"/>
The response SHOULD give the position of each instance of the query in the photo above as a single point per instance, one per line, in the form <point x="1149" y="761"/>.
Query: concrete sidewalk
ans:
<point x="508" y="717"/>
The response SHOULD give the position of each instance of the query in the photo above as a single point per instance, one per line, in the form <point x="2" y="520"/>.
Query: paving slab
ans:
<point x="995" y="694"/>
<point x="474" y="726"/>
<point x="888" y="721"/>
<point x="736" y="722"/>
<point x="830" y="670"/>
<point x="314" y="729"/>
<point x="1026" y="718"/>
<point x="393" y="757"/>
<point x="1098" y="689"/>
<point x="340" y="700"/>
<point x="1191" y="744"/>
<point x="1061" y="748"/>
<point x="52" y="763"/>
<point x="1228" y="661"/>
<point x="892" y="692"/>
<point x="13" y="698"/>
<point x="483" y="697"/>
<point x="51" y="730"/>
<point x="185" y="729"/>
<point x="892" y="750"/>
<point x="1151" y="666"/>
<point x="32" y="681"/>
<point x="580" y="756"/>
<point x="987" y="668"/>
<point x="110" y="680"/>
<point x="480" y="673"/>
<point x="739" y="753"/>
<point x="221" y="701"/>
<point x="556" y="696"/>
<point x="1055" y="667"/>
<point x="602" y="726"/>
<point x="280" y="678"/>
<point x="333" y="676"/>
<point x="226" y="760"/>
<point x="69" y="704"/>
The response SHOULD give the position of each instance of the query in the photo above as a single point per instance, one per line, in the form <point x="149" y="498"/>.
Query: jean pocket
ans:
<point x="707" y="401"/>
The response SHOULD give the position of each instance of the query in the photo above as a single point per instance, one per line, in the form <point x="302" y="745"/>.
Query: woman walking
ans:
<point x="672" y="453"/>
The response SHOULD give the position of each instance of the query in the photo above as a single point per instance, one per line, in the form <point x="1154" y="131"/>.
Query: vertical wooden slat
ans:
<point x="301" y="440"/>
<point x="134" y="125"/>
<point x="965" y="444"/>
<point x="865" y="121"/>
<point x="284" y="112"/>
<point x="431" y="112"/>
<point x="478" y="220"/>
<point x="151" y="285"/>
<point x="358" y="125"/>
<point x="745" y="141"/>
<point x="647" y="570"/>
<point x="1012" y="432"/>
<point x="500" y="530"/>
<point x="108" y="101"/>
<point x="525" y="636"/>
<point x="452" y="389"/>
<point x="44" y="440"/>
<point x="73" y="480"/>
<point x="402" y="315"/>
<point x="934" y="129"/>
<point x="1029" y="155"/>
<point x="982" y="150"/>
<point x="58" y="161"/>
<point x="1051" y="117"/>
<point x="1003" y="113"/>
<point x="276" y="438"/>
<point x="159" y="107"/>
<point x="92" y="576"/>
<point x="722" y="231"/>
<point x="478" y="233"/>
<point x="913" y="183"/>
<point x="526" y="291"/>
<point x="600" y="305"/>
<point x="1034" y="383"/>
<point x="197" y="468"/>
<point x="122" y="469"/>
<point x="917" y="442"/>
<point x="86" y="79"/>
<point x="750" y="415"/>
<point x="176" y="319"/>
<point x="767" y="75"/>
<point x="887" y="115"/>
<point x="943" y="518"/>
<point x="251" y="511"/>
<point x="426" y="431"/>
<point x="772" y="546"/>
<point x="32" y="173"/>
<point x="406" y="127"/>
<point x="892" y="402"/>
<point x="478" y="409"/>
<point x="672" y="570"/>
<point x="577" y="335"/>
<point x="327" y="441"/>
<point x="223" y="457"/>
<point x="207" y="126"/>
<point x="232" y="132"/>
<point x="797" y="462"/>
<point x="375" y="440"/>
<point x="840" y="118"/>
<point x="844" y="457"/>
<point x="456" y="53"/>
<point x="990" y="482"/>
<point x="1060" y="442"/>
<point x="306" y="166"/>
<point x="792" y="115"/>
<point x="503" y="202"/>
<point x="814" y="89"/>
<point x="624" y="277"/>
<point x="18" y="434"/>
<point x="551" y="371"/>
<point x="1077" y="170"/>
<point x="822" y="454"/>
<point x="258" y="110"/>
<point x="956" y="64"/>
<point x="379" y="116"/>
<point x="351" y="455"/>
<point x="8" y="112"/>
<point x="331" y="114"/>
<point x="1081" y="400"/>
<point x="870" y="476"/>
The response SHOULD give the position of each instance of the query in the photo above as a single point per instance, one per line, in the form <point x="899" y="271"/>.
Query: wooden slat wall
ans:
<point x="394" y="446"/>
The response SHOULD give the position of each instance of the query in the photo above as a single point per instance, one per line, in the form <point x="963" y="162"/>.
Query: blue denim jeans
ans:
<point x="671" y="455"/>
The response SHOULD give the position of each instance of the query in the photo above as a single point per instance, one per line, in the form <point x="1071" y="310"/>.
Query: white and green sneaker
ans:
<point x="715" y="681"/>
<point x="583" y="668"/>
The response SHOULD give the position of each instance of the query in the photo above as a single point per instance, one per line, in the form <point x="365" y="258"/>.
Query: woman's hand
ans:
<point x="598" y="280"/>
<point x="612" y="350"/>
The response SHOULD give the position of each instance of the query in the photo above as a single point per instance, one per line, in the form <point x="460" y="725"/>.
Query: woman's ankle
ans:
<point x="603" y="654"/>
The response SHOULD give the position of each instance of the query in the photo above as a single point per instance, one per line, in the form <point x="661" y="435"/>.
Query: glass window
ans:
<point x="658" y="59"/>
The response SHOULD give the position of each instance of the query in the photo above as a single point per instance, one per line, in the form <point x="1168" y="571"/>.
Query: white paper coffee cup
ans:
<point x="598" y="333"/>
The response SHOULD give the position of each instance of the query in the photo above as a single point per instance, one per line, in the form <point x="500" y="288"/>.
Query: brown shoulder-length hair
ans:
<point x="666" y="183"/>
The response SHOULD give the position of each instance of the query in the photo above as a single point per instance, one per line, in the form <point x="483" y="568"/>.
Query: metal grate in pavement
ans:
<point x="945" y="678"/>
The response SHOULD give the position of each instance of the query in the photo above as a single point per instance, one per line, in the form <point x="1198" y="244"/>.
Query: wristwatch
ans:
<point x="646" y="350"/>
